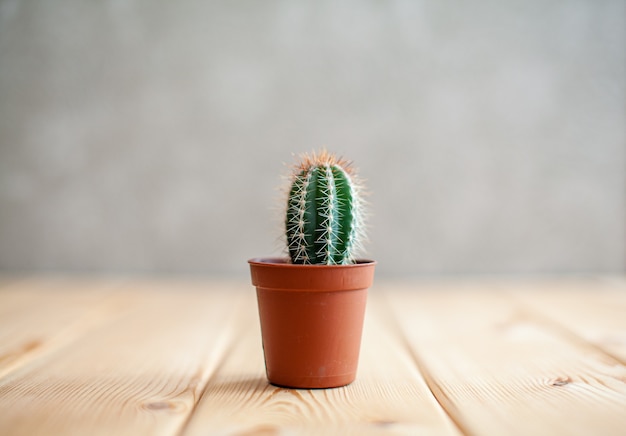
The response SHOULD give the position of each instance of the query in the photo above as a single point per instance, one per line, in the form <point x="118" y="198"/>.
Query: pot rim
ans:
<point x="283" y="262"/>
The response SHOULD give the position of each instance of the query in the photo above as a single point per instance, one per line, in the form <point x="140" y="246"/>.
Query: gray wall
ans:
<point x="149" y="136"/>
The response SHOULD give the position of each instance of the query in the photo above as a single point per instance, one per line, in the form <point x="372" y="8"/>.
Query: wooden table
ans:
<point x="169" y="357"/>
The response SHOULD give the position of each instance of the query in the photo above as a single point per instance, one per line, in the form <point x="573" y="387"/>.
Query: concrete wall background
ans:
<point x="149" y="136"/>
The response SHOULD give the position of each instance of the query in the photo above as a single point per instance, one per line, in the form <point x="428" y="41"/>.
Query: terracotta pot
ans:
<point x="311" y="320"/>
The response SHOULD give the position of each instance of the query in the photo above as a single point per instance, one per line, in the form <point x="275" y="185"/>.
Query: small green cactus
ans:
<point x="324" y="218"/>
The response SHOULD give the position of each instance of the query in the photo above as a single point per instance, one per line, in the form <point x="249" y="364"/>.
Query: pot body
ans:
<point x="311" y="320"/>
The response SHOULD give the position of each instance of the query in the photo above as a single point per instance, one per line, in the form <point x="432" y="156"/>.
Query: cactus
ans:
<point x="324" y="217"/>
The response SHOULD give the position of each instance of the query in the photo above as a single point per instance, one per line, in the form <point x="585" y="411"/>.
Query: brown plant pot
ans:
<point x="311" y="320"/>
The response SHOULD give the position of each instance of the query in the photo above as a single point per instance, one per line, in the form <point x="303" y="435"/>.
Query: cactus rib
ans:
<point x="323" y="220"/>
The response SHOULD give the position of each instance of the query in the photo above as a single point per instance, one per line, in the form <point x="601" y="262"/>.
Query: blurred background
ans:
<point x="151" y="136"/>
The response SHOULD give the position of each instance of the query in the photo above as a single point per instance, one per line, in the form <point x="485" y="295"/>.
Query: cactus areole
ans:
<point x="324" y="216"/>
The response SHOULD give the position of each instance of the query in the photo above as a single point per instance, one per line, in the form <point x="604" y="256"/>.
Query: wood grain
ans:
<point x="499" y="369"/>
<point x="160" y="357"/>
<point x="40" y="315"/>
<point x="591" y="309"/>
<point x="140" y="374"/>
<point x="388" y="397"/>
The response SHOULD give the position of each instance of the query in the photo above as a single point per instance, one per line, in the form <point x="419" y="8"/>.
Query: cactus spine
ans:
<point x="324" y="219"/>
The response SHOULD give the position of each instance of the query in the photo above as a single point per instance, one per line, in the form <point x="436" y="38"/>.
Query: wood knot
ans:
<point x="27" y="347"/>
<point x="383" y="423"/>
<point x="560" y="381"/>
<point x="158" y="405"/>
<point x="165" y="405"/>
<point x="31" y="345"/>
<point x="262" y="430"/>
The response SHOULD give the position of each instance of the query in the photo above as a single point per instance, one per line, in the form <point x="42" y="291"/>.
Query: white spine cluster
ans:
<point x="325" y="221"/>
<point x="297" y="224"/>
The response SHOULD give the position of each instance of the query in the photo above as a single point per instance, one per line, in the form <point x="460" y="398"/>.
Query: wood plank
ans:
<point x="591" y="309"/>
<point x="141" y="374"/>
<point x="39" y="315"/>
<point x="499" y="369"/>
<point x="388" y="397"/>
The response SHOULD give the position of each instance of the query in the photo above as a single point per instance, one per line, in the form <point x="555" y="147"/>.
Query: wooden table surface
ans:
<point x="180" y="357"/>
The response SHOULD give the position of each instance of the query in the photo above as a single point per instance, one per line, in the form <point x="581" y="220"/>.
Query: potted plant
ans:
<point x="312" y="303"/>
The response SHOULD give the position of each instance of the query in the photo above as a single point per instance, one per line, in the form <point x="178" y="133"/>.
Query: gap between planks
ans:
<point x="236" y="329"/>
<point x="234" y="371"/>
<point x="563" y="306"/>
<point x="389" y="395"/>
<point x="487" y="359"/>
<point x="141" y="375"/>
<point x="447" y="406"/>
<point x="42" y="315"/>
